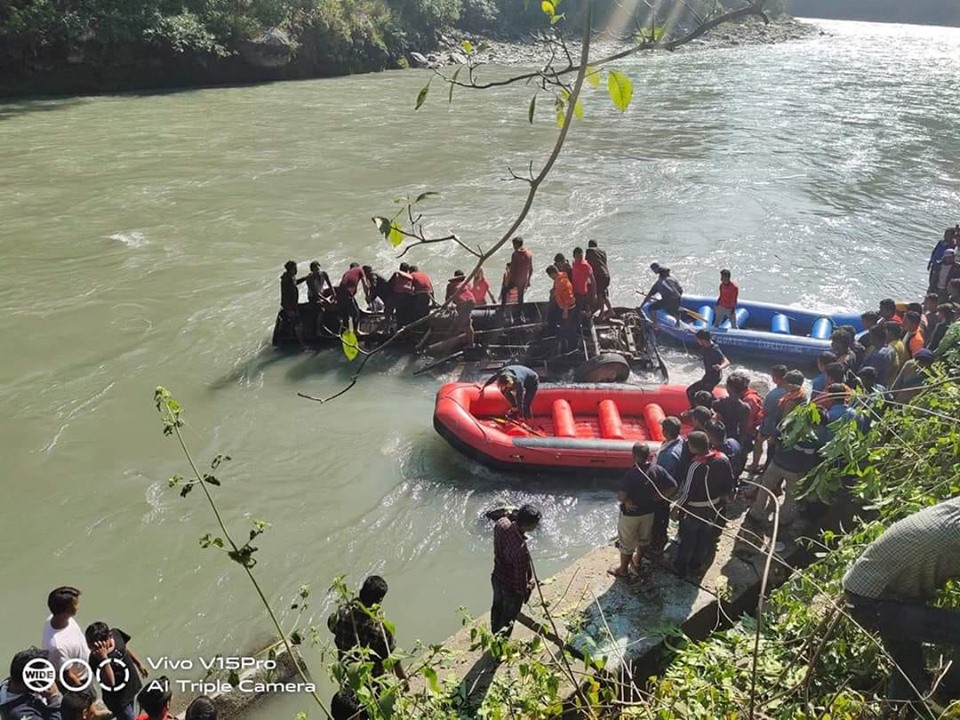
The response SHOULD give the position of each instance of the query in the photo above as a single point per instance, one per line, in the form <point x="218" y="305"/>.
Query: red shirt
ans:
<point x="351" y="280"/>
<point x="582" y="277"/>
<point x="729" y="292"/>
<point x="421" y="282"/>
<point x="521" y="268"/>
<point x="480" y="289"/>
<point x="459" y="290"/>
<point x="402" y="283"/>
<point x="753" y="400"/>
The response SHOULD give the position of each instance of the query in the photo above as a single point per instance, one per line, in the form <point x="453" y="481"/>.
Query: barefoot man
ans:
<point x="644" y="489"/>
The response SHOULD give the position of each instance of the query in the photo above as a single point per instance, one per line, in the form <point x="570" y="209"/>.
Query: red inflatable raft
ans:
<point x="574" y="427"/>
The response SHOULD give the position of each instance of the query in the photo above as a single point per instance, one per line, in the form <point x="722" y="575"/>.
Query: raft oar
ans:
<point x="349" y="342"/>
<point x="519" y="424"/>
<point x="694" y="314"/>
<point x="432" y="365"/>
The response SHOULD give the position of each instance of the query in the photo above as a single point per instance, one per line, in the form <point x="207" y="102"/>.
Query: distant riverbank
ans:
<point x="531" y="52"/>
<point x="278" y="55"/>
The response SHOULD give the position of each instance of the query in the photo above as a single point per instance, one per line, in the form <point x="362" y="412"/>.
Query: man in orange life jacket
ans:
<point x="422" y="292"/>
<point x="401" y="296"/>
<point x="463" y="301"/>
<point x="519" y="274"/>
<point x="584" y="286"/>
<point x="562" y="306"/>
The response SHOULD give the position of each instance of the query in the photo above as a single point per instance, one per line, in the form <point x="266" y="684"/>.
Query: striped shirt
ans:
<point x="913" y="558"/>
<point x="708" y="479"/>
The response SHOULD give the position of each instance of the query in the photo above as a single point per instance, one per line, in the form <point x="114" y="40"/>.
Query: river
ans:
<point x="142" y="237"/>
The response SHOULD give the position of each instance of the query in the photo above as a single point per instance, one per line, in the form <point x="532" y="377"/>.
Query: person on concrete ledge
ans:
<point x="645" y="488"/>
<point x="512" y="576"/>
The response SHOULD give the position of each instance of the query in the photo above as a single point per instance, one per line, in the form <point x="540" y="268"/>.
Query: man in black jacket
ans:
<point x="702" y="496"/>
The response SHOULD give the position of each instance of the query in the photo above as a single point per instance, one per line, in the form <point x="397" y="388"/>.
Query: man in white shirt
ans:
<point x="62" y="636"/>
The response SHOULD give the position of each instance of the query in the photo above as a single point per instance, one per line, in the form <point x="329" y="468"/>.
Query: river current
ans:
<point x="141" y="238"/>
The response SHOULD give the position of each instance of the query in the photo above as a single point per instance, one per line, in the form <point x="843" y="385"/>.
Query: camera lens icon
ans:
<point x="39" y="675"/>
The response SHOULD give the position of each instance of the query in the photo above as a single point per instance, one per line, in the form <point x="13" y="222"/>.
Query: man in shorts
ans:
<point x="644" y="489"/>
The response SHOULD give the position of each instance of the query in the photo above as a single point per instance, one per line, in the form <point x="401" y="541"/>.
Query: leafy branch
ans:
<point x="650" y="39"/>
<point x="243" y="554"/>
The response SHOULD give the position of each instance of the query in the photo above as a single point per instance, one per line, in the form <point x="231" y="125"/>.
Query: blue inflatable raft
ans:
<point x="766" y="332"/>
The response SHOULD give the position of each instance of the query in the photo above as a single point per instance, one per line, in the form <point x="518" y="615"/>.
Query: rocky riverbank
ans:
<point x="531" y="53"/>
<point x="314" y="49"/>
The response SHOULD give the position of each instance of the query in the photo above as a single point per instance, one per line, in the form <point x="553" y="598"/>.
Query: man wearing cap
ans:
<point x="669" y="290"/>
<point x="943" y="272"/>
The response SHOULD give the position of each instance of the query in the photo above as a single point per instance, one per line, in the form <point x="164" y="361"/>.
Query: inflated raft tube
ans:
<point x="575" y="428"/>
<point x="770" y="333"/>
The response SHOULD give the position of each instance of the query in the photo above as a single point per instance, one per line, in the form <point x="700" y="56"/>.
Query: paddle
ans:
<point x="691" y="313"/>
<point x="694" y="314"/>
<point x="349" y="342"/>
<point x="518" y="423"/>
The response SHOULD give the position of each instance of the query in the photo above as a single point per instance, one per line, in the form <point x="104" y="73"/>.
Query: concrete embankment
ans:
<point x="625" y="623"/>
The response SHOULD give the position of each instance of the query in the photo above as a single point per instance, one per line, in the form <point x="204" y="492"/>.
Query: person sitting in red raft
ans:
<point x="519" y="385"/>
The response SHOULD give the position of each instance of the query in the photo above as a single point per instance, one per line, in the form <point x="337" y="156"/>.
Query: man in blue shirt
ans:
<point x="670" y="458"/>
<point x="819" y="384"/>
<point x="714" y="361"/>
<point x="519" y="385"/>
<point x="670" y="292"/>
<point x="772" y="416"/>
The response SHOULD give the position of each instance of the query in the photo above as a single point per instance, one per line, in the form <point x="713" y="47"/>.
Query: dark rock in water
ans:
<point x="418" y="60"/>
<point x="273" y="49"/>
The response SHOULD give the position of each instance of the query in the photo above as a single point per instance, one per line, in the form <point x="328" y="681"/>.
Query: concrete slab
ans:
<point x="625" y="622"/>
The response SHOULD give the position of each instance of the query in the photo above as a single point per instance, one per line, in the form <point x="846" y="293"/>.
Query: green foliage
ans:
<point x="814" y="661"/>
<point x="620" y="89"/>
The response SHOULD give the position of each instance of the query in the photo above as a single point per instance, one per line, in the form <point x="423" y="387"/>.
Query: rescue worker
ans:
<point x="519" y="385"/>
<point x="519" y="274"/>
<point x="422" y="293"/>
<point x="401" y="297"/>
<point x="668" y="288"/>
<point x="561" y="312"/>
<point x="727" y="300"/>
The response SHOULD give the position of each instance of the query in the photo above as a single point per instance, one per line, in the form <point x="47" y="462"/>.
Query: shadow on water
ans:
<point x="249" y="369"/>
<point x="431" y="457"/>
<point x="15" y="108"/>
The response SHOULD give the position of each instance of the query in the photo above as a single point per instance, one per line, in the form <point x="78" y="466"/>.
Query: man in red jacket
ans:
<point x="727" y="302"/>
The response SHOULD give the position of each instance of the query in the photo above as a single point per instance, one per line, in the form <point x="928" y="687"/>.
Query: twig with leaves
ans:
<point x="242" y="554"/>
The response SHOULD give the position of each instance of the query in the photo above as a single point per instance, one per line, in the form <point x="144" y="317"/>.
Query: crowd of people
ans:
<point x="119" y="677"/>
<point x="579" y="290"/>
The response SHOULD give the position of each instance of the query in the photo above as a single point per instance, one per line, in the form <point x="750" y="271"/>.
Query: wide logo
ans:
<point x="39" y="675"/>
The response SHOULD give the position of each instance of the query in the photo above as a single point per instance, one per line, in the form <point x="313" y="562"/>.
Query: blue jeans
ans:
<point x="904" y="628"/>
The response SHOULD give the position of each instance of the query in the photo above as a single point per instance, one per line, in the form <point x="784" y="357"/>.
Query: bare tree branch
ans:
<point x="754" y="9"/>
<point x="535" y="184"/>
